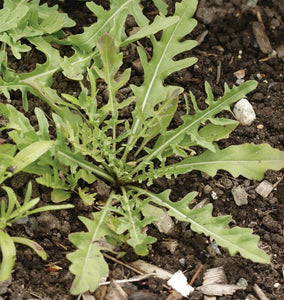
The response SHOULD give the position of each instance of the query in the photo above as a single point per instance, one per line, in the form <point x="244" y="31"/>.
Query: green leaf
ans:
<point x="167" y="143"/>
<point x="58" y="196"/>
<point x="160" y="121"/>
<point x="162" y="6"/>
<point x="159" y="23"/>
<point x="132" y="221"/>
<point x="26" y="19"/>
<point x="88" y="199"/>
<point x="87" y="262"/>
<point x="109" y="21"/>
<point x="211" y="133"/>
<point x="161" y="65"/>
<point x="35" y="246"/>
<point x="236" y="240"/>
<point x="30" y="154"/>
<point x="112" y="61"/>
<point x="248" y="160"/>
<point x="8" y="250"/>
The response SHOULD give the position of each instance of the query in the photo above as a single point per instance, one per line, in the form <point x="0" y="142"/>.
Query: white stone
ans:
<point x="244" y="112"/>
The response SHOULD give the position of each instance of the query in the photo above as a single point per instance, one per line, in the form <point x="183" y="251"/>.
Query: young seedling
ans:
<point x="11" y="209"/>
<point x="94" y="141"/>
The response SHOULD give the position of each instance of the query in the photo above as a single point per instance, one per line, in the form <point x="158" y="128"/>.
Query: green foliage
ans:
<point x="27" y="19"/>
<point x="88" y="263"/>
<point x="93" y="140"/>
<point x="12" y="211"/>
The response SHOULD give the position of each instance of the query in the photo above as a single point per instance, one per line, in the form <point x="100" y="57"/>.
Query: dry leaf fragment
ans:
<point x="174" y="296"/>
<point x="261" y="38"/>
<point x="165" y="223"/>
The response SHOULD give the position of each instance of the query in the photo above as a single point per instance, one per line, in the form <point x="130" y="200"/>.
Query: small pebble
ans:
<point x="182" y="261"/>
<point x="244" y="112"/>
<point x="260" y="126"/>
<point x="214" y="195"/>
<point x="207" y="189"/>
<point x="243" y="283"/>
<point x="204" y="15"/>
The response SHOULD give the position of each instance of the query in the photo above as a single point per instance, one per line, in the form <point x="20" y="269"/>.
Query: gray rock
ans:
<point x="204" y="15"/>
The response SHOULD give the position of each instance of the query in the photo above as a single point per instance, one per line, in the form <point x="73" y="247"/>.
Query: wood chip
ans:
<point x="149" y="268"/>
<point x="259" y="292"/>
<point x="264" y="188"/>
<point x="209" y="297"/>
<point x="115" y="292"/>
<point x="280" y="51"/>
<point x="87" y="296"/>
<point x="261" y="38"/>
<point x="219" y="289"/>
<point x="174" y="296"/>
<point x="240" y="195"/>
<point x="215" y="283"/>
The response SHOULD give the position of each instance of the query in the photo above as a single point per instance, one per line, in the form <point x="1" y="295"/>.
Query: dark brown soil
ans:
<point x="228" y="47"/>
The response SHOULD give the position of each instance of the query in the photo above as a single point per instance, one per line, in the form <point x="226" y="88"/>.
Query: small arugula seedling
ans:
<point x="11" y="209"/>
<point x="94" y="141"/>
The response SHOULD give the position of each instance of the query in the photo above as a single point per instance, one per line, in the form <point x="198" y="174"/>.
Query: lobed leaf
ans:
<point x="170" y="141"/>
<point x="108" y="21"/>
<point x="161" y="65"/>
<point x="236" y="240"/>
<point x="87" y="262"/>
<point x="248" y="160"/>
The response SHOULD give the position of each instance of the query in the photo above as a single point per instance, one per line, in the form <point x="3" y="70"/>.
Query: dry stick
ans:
<point x="132" y="279"/>
<point x="129" y="267"/>
<point x="195" y="275"/>
<point x="123" y="264"/>
<point x="277" y="182"/>
<point x="218" y="72"/>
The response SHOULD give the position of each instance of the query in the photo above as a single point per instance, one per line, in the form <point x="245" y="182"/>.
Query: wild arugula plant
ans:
<point x="94" y="141"/>
<point x="11" y="209"/>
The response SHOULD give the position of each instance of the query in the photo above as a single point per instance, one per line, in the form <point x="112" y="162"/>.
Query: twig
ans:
<point x="259" y="292"/>
<point x="219" y="66"/>
<point x="195" y="275"/>
<point x="132" y="279"/>
<point x="278" y="181"/>
<point x="123" y="264"/>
